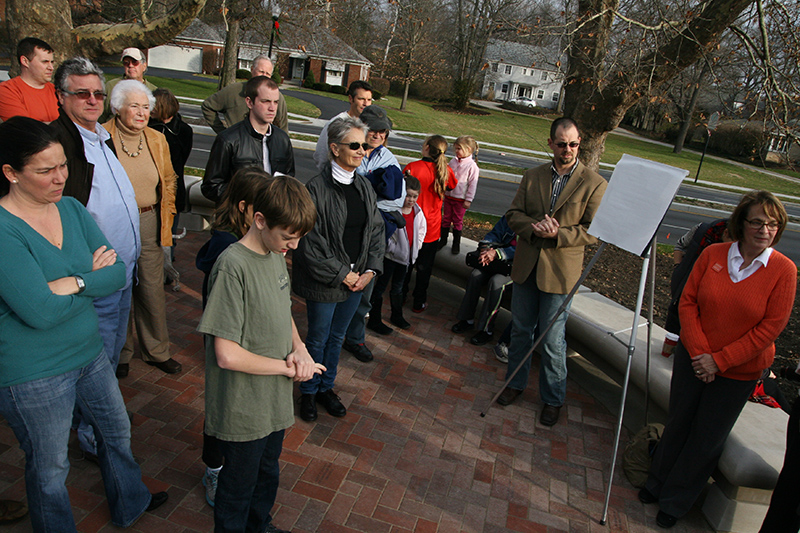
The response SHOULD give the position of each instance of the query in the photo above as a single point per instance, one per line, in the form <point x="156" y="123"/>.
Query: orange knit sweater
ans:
<point x="737" y="323"/>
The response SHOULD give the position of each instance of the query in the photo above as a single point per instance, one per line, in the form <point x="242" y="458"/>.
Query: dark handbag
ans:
<point x="498" y="266"/>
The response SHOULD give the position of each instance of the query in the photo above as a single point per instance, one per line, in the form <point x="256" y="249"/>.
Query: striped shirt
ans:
<point x="559" y="182"/>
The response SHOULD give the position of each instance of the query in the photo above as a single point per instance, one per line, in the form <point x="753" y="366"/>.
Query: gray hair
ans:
<point x="121" y="91"/>
<point x="261" y="57"/>
<point x="340" y="128"/>
<point x="76" y="66"/>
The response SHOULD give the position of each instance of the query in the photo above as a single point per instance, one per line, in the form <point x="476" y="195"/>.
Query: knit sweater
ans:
<point x="43" y="334"/>
<point x="737" y="323"/>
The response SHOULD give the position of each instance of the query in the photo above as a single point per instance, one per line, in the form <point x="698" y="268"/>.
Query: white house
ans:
<point x="519" y="70"/>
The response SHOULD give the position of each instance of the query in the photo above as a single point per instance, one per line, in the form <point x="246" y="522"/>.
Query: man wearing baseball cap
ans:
<point x="135" y="64"/>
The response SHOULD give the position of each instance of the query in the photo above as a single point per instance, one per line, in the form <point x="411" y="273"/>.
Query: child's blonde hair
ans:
<point x="470" y="142"/>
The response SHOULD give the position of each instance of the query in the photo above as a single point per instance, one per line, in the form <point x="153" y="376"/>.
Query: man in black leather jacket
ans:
<point x="252" y="142"/>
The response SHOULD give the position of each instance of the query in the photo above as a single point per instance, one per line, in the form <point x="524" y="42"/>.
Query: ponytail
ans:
<point x="437" y="146"/>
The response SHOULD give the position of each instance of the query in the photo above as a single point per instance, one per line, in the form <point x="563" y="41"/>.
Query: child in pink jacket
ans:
<point x="458" y="200"/>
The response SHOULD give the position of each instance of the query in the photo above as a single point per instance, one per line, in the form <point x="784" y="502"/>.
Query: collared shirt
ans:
<point x="265" y="149"/>
<point x="735" y="261"/>
<point x="559" y="182"/>
<point x="112" y="202"/>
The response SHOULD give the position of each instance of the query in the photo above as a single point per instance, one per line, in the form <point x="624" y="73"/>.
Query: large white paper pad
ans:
<point x="638" y="196"/>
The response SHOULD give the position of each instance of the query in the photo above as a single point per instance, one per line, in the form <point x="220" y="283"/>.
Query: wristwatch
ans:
<point x="81" y="284"/>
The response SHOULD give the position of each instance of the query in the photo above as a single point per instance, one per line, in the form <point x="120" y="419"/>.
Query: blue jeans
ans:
<point x="112" y="313"/>
<point x="39" y="412"/>
<point x="356" y="331"/>
<point x="248" y="484"/>
<point x="327" y="324"/>
<point x="530" y="308"/>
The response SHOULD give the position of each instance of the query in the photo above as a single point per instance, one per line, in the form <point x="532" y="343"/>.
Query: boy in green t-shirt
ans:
<point x="253" y="352"/>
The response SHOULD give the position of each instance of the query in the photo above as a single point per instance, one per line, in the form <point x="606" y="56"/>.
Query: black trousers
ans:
<point x="424" y="268"/>
<point x="783" y="515"/>
<point x="701" y="416"/>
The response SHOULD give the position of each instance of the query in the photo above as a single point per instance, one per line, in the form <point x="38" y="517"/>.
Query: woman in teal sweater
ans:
<point x="53" y="261"/>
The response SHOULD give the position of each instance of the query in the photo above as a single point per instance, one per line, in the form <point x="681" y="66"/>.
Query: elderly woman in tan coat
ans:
<point x="144" y="153"/>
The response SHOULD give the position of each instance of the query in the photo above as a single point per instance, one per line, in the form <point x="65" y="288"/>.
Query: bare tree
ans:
<point x="52" y="21"/>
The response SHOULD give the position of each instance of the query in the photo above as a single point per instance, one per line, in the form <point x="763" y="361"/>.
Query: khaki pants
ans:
<point x="149" y="307"/>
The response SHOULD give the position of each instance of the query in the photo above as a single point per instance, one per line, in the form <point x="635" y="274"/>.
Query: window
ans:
<point x="508" y="69"/>
<point x="494" y="67"/>
<point x="504" y="88"/>
<point x="524" y="72"/>
<point x="555" y="97"/>
<point x="544" y="76"/>
<point x="540" y="94"/>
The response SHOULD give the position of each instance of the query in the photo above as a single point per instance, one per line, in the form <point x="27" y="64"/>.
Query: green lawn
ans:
<point x="301" y="107"/>
<point x="186" y="88"/>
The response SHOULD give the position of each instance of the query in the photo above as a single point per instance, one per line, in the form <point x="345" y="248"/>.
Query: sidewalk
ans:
<point x="412" y="454"/>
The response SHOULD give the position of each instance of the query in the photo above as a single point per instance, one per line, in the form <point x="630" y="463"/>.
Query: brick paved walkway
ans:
<point x="412" y="454"/>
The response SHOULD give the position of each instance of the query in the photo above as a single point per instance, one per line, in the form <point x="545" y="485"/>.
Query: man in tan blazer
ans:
<point x="550" y="214"/>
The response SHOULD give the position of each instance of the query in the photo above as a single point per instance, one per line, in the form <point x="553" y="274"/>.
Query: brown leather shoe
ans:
<point x="508" y="396"/>
<point x="11" y="511"/>
<point x="170" y="366"/>
<point x="549" y="415"/>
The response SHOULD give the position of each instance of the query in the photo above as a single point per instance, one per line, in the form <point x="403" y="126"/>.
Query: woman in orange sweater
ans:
<point x="735" y="304"/>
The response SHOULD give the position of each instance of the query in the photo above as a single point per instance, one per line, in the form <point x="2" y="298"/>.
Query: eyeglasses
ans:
<point x="573" y="144"/>
<point x="85" y="95"/>
<point x="127" y="62"/>
<point x="354" y="145"/>
<point x="758" y="224"/>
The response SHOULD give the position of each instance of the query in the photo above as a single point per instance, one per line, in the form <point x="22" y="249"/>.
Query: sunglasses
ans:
<point x="85" y="95"/>
<point x="355" y="146"/>
<point x="573" y="144"/>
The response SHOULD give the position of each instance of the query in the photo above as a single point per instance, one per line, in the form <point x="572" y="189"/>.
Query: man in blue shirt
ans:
<point x="97" y="179"/>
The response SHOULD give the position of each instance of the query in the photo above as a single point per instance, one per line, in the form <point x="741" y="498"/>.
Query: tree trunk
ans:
<point x="389" y="41"/>
<point x="52" y="20"/>
<point x="405" y="95"/>
<point x="230" y="60"/>
<point x="689" y="112"/>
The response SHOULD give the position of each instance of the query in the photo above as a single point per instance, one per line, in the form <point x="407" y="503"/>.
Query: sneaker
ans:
<point x="359" y="351"/>
<point x="501" y="352"/>
<point x="481" y="338"/>
<point x="461" y="326"/>
<point x="210" y="479"/>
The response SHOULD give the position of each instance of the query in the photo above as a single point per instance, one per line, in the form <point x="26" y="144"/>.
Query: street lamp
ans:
<point x="276" y="13"/>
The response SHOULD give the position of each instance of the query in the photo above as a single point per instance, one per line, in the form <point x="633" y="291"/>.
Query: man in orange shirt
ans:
<point x="31" y="94"/>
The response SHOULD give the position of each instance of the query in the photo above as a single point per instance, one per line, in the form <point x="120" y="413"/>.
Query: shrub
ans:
<point x="243" y="74"/>
<point x="310" y="82"/>
<point x="737" y="141"/>
<point x="338" y="89"/>
<point x="376" y="95"/>
<point x="276" y="77"/>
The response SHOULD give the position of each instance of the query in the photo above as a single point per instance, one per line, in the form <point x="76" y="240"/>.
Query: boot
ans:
<point x="374" y="323"/>
<point x="456" y="241"/>
<point x="397" y="311"/>
<point x="443" y="238"/>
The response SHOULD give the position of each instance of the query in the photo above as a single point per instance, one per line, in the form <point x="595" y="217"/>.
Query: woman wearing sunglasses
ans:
<point x="736" y="302"/>
<point x="337" y="259"/>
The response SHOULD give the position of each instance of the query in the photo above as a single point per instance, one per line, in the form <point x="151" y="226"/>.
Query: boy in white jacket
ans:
<point x="401" y="252"/>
